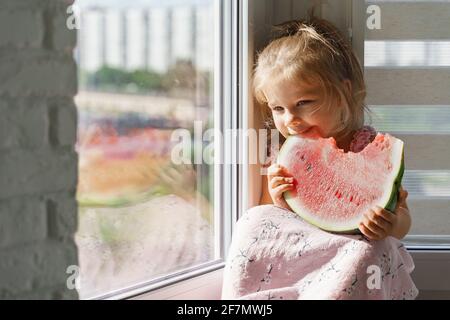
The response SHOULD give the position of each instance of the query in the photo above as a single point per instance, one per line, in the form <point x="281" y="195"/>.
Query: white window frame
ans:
<point x="231" y="94"/>
<point x="230" y="113"/>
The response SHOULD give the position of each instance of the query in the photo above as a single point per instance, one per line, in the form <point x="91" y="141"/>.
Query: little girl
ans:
<point x="311" y="84"/>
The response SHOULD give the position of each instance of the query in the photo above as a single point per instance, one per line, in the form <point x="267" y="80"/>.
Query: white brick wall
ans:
<point x="38" y="164"/>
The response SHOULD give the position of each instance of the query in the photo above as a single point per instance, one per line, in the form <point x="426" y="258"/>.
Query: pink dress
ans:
<point x="275" y="254"/>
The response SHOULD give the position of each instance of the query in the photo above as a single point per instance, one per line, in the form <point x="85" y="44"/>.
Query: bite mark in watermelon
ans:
<point x="333" y="188"/>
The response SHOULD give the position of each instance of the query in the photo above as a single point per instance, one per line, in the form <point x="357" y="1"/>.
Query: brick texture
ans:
<point x="38" y="162"/>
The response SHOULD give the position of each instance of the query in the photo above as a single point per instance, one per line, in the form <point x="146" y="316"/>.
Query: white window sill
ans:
<point x="205" y="287"/>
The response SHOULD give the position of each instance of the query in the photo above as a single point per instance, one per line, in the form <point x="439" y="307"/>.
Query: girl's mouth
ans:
<point x="305" y="133"/>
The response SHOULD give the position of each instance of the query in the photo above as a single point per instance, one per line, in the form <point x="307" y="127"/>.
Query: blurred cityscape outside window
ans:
<point x="146" y="68"/>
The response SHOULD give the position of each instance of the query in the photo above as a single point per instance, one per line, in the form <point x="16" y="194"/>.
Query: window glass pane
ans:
<point x="146" y="70"/>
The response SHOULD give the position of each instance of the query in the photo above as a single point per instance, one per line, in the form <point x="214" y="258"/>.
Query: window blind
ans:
<point x="407" y="72"/>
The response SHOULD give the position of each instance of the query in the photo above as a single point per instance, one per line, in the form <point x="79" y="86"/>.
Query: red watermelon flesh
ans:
<point x="333" y="189"/>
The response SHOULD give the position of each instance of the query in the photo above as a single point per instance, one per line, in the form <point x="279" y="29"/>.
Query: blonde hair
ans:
<point x="313" y="51"/>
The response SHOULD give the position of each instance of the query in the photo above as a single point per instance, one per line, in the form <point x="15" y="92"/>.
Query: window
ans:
<point x="147" y="69"/>
<point x="407" y="70"/>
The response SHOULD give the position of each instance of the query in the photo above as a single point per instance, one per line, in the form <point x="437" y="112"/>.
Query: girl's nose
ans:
<point x="291" y="119"/>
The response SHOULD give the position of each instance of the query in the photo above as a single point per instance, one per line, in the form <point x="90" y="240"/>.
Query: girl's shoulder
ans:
<point x="362" y="138"/>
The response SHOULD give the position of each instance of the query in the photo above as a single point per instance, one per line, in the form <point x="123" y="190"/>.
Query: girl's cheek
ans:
<point x="283" y="130"/>
<point x="279" y="125"/>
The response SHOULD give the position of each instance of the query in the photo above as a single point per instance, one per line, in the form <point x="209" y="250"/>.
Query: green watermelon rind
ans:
<point x="390" y="203"/>
<point x="397" y="183"/>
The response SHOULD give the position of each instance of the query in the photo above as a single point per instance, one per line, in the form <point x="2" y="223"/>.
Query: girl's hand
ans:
<point x="279" y="181"/>
<point x="378" y="223"/>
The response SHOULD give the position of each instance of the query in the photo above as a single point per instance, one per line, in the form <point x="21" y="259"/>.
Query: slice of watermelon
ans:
<point x="334" y="189"/>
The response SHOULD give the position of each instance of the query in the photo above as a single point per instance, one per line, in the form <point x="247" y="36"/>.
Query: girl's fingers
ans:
<point x="402" y="189"/>
<point x="373" y="226"/>
<point x="278" y="191"/>
<point x="276" y="170"/>
<point x="278" y="175"/>
<point x="383" y="224"/>
<point x="276" y="181"/>
<point x="379" y="212"/>
<point x="402" y="199"/>
<point x="365" y="231"/>
<point x="402" y="195"/>
<point x="273" y="169"/>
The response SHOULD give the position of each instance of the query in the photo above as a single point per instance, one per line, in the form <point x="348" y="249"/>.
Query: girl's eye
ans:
<point x="277" y="108"/>
<point x="303" y="102"/>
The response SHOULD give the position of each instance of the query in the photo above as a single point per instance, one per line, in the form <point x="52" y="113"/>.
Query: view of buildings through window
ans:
<point x="145" y="69"/>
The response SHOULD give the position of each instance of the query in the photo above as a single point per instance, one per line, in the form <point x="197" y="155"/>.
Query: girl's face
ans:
<point x="296" y="109"/>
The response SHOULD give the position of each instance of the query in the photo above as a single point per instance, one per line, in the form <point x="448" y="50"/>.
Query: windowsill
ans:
<point x="183" y="279"/>
<point x="204" y="287"/>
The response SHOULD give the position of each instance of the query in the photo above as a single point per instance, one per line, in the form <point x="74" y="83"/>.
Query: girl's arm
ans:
<point x="401" y="228"/>
<point x="265" y="195"/>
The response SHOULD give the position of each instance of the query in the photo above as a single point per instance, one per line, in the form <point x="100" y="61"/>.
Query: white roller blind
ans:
<point x="420" y="20"/>
<point x="407" y="72"/>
